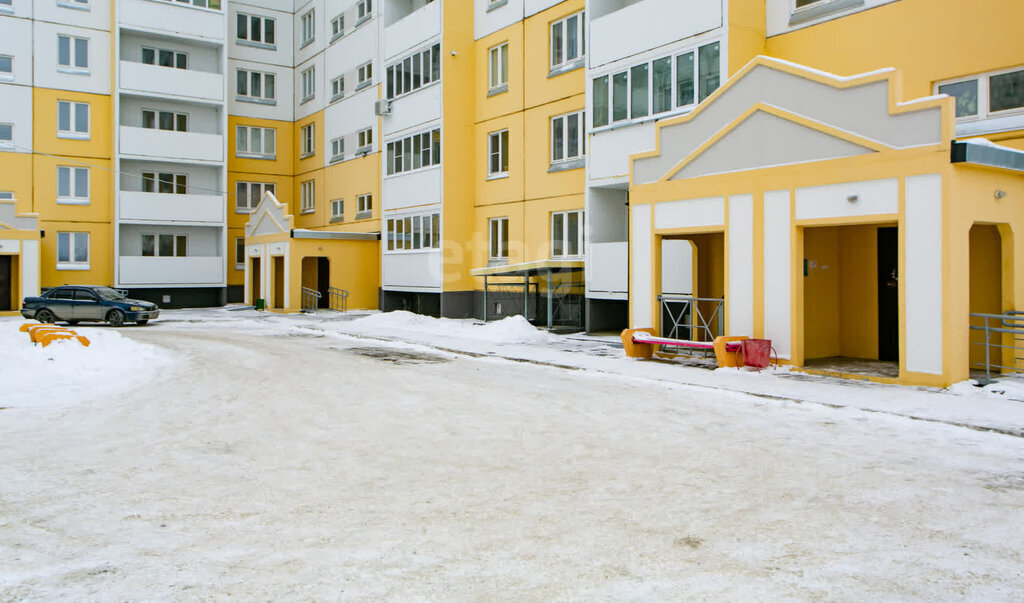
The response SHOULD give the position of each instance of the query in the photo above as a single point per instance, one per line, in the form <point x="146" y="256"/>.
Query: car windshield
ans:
<point x="108" y="293"/>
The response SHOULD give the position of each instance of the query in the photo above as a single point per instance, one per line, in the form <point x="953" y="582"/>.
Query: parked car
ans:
<point x="77" y="303"/>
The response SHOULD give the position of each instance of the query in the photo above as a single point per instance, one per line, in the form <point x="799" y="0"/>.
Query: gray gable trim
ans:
<point x="268" y="218"/>
<point x="22" y="222"/>
<point x="765" y="140"/>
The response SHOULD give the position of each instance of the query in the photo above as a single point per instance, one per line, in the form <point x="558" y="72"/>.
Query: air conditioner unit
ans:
<point x="382" y="107"/>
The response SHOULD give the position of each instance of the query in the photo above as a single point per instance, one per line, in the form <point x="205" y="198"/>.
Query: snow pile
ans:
<point x="66" y="372"/>
<point x="1010" y="388"/>
<point x="513" y="329"/>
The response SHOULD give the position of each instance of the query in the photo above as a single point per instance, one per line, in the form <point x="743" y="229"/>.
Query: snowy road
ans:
<point x="276" y="466"/>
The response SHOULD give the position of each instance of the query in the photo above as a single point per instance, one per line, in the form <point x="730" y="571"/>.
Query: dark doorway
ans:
<point x="254" y="274"/>
<point x="5" y="282"/>
<point x="323" y="281"/>
<point x="888" y="294"/>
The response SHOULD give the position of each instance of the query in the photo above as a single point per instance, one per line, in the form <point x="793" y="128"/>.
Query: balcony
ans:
<point x="606" y="267"/>
<point x="199" y="210"/>
<point x="192" y="271"/>
<point x="662" y="21"/>
<point x="167" y="81"/>
<point x="172" y="18"/>
<point x="412" y="29"/>
<point x="189" y="146"/>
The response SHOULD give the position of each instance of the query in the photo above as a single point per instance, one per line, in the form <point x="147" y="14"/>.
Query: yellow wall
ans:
<point x="354" y="266"/>
<point x="282" y="165"/>
<point x="101" y="255"/>
<point x="504" y="103"/>
<point x="746" y="32"/>
<point x="986" y="286"/>
<point x="539" y="88"/>
<point x="44" y="124"/>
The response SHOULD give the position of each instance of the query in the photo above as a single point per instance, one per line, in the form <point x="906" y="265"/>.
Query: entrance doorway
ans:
<point x="888" y="294"/>
<point x="6" y="282"/>
<point x="254" y="280"/>
<point x="278" y="276"/>
<point x="316" y="275"/>
<point x="693" y="286"/>
<point x="986" y="294"/>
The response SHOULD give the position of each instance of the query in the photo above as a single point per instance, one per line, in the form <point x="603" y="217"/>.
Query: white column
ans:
<point x="922" y="278"/>
<point x="640" y="295"/>
<point x="740" y="298"/>
<point x="778" y="272"/>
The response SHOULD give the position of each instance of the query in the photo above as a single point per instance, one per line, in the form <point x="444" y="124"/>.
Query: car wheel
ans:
<point x="115" y="318"/>
<point x="142" y="322"/>
<point x="45" y="315"/>
<point x="72" y="322"/>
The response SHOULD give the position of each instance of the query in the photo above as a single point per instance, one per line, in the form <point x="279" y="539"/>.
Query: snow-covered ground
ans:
<point x="234" y="454"/>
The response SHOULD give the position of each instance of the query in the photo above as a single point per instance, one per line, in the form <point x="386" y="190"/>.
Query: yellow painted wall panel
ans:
<point x="746" y="32"/>
<point x="101" y="255"/>
<point x="503" y="103"/>
<point x="316" y="160"/>
<point x="101" y="195"/>
<point x="537" y="157"/>
<point x="282" y="186"/>
<point x="349" y="179"/>
<point x="16" y="177"/>
<point x="500" y="189"/>
<point x="235" y="276"/>
<point x="44" y="126"/>
<point x="537" y="224"/>
<point x="540" y="89"/>
<point x="516" y="234"/>
<point x="282" y="165"/>
<point x="321" y="209"/>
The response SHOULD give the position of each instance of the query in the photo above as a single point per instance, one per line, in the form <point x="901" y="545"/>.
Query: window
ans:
<point x="6" y="135"/>
<point x="6" y="67"/>
<point x="256" y="31"/>
<point x="364" y="10"/>
<point x="364" y="206"/>
<point x="657" y="87"/>
<point x="567" y="137"/>
<point x="364" y="75"/>
<point x="986" y="95"/>
<point x="566" y="234"/>
<point x="6" y="196"/>
<point x="365" y="139"/>
<point x="72" y="251"/>
<point x="79" y="4"/>
<point x="499" y="68"/>
<point x="165" y="245"/>
<point x="239" y="253"/>
<point x="414" y="152"/>
<point x="164" y="182"/>
<point x="497" y="154"/>
<point x="255" y="86"/>
<point x="5" y="6"/>
<point x="72" y="120"/>
<point x="413" y="233"/>
<point x="567" y="41"/>
<point x="165" y="120"/>
<point x="337" y="88"/>
<point x="201" y="3"/>
<point x="499" y="238"/>
<point x="308" y="84"/>
<point x="249" y="194"/>
<point x="414" y="72"/>
<point x="72" y="185"/>
<point x="337" y="27"/>
<point x="338" y="149"/>
<point x="73" y="54"/>
<point x="338" y="210"/>
<point x="308" y="200"/>
<point x="308" y="144"/>
<point x="164" y="58"/>
<point x="308" y="24"/>
<point x="255" y="142"/>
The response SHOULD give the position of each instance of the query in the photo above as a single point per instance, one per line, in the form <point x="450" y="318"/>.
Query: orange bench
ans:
<point x="640" y="343"/>
<point x="45" y="334"/>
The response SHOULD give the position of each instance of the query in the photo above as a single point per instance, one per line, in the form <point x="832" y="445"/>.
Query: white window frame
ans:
<point x="308" y="196"/>
<point x="364" y="206"/>
<point x="413" y="72"/>
<point x="364" y="11"/>
<point x="75" y="4"/>
<point x="497" y="248"/>
<point x="308" y="136"/>
<point x="7" y="142"/>
<point x="562" y="122"/>
<point x="984" y="86"/>
<point x="6" y="7"/>
<point x="337" y="149"/>
<point x="73" y="55"/>
<point x="364" y="140"/>
<point x="402" y="153"/>
<point x="176" y="181"/>
<point x="244" y="202"/>
<point x="72" y="261"/>
<point x="247" y="40"/>
<point x="307" y="28"/>
<point x="158" y="113"/>
<point x="251" y="77"/>
<point x="564" y="235"/>
<point x="497" y="147"/>
<point x="338" y="88"/>
<point x="239" y="253"/>
<point x="308" y="85"/>
<point x="176" y="239"/>
<point x="74" y="196"/>
<point x="497" y="68"/>
<point x="156" y="57"/>
<point x="562" y="46"/>
<point x="7" y="75"/>
<point x="337" y="210"/>
<point x="364" y="75"/>
<point x="337" y="27"/>
<point x="74" y="132"/>
<point x="262" y="133"/>
<point x="414" y="233"/>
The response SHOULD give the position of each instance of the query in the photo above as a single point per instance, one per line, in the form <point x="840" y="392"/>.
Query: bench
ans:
<point x="640" y="343"/>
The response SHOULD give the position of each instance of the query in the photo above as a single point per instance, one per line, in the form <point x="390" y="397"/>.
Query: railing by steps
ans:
<point x="999" y="328"/>
<point x="337" y="299"/>
<point x="310" y="299"/>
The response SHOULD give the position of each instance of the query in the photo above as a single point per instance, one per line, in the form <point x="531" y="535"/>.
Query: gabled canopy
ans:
<point x="269" y="217"/>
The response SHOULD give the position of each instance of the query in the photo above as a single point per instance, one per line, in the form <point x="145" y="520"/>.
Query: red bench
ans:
<point x="729" y="351"/>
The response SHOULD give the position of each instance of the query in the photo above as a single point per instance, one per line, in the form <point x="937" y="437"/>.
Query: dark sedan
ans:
<point x="77" y="303"/>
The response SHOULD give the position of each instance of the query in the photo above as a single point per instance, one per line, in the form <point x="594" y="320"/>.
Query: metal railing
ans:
<point x="999" y="328"/>
<point x="692" y="318"/>
<point x="337" y="299"/>
<point x="310" y="299"/>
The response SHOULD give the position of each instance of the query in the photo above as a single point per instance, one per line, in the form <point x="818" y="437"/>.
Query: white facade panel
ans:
<point x="170" y="82"/>
<point x="29" y="268"/>
<point x="640" y="273"/>
<point x="532" y="7"/>
<point x="319" y="99"/>
<point x="280" y="109"/>
<point x="95" y="80"/>
<point x="661" y="21"/>
<point x="320" y="22"/>
<point x="607" y="269"/>
<point x="414" y="110"/>
<point x="96" y="16"/>
<point x="16" y="42"/>
<point x="677" y="266"/>
<point x="414" y="29"/>
<point x="167" y="271"/>
<point x="163" y="207"/>
<point x="351" y="51"/>
<point x="280" y="53"/>
<point x="692" y="213"/>
<point x="19" y="8"/>
<point x="487" y="20"/>
<point x="609" y="150"/>
<point x="778" y="275"/>
<point x="740" y="298"/>
<point x="16" y="109"/>
<point x="412" y="190"/>
<point x="418" y="270"/>
<point x="923" y="274"/>
<point x="848" y="199"/>
<point x="146" y="142"/>
<point x="172" y="18"/>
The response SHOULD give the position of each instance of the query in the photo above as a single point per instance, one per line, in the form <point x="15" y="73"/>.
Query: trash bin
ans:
<point x="260" y="304"/>
<point x="756" y="352"/>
